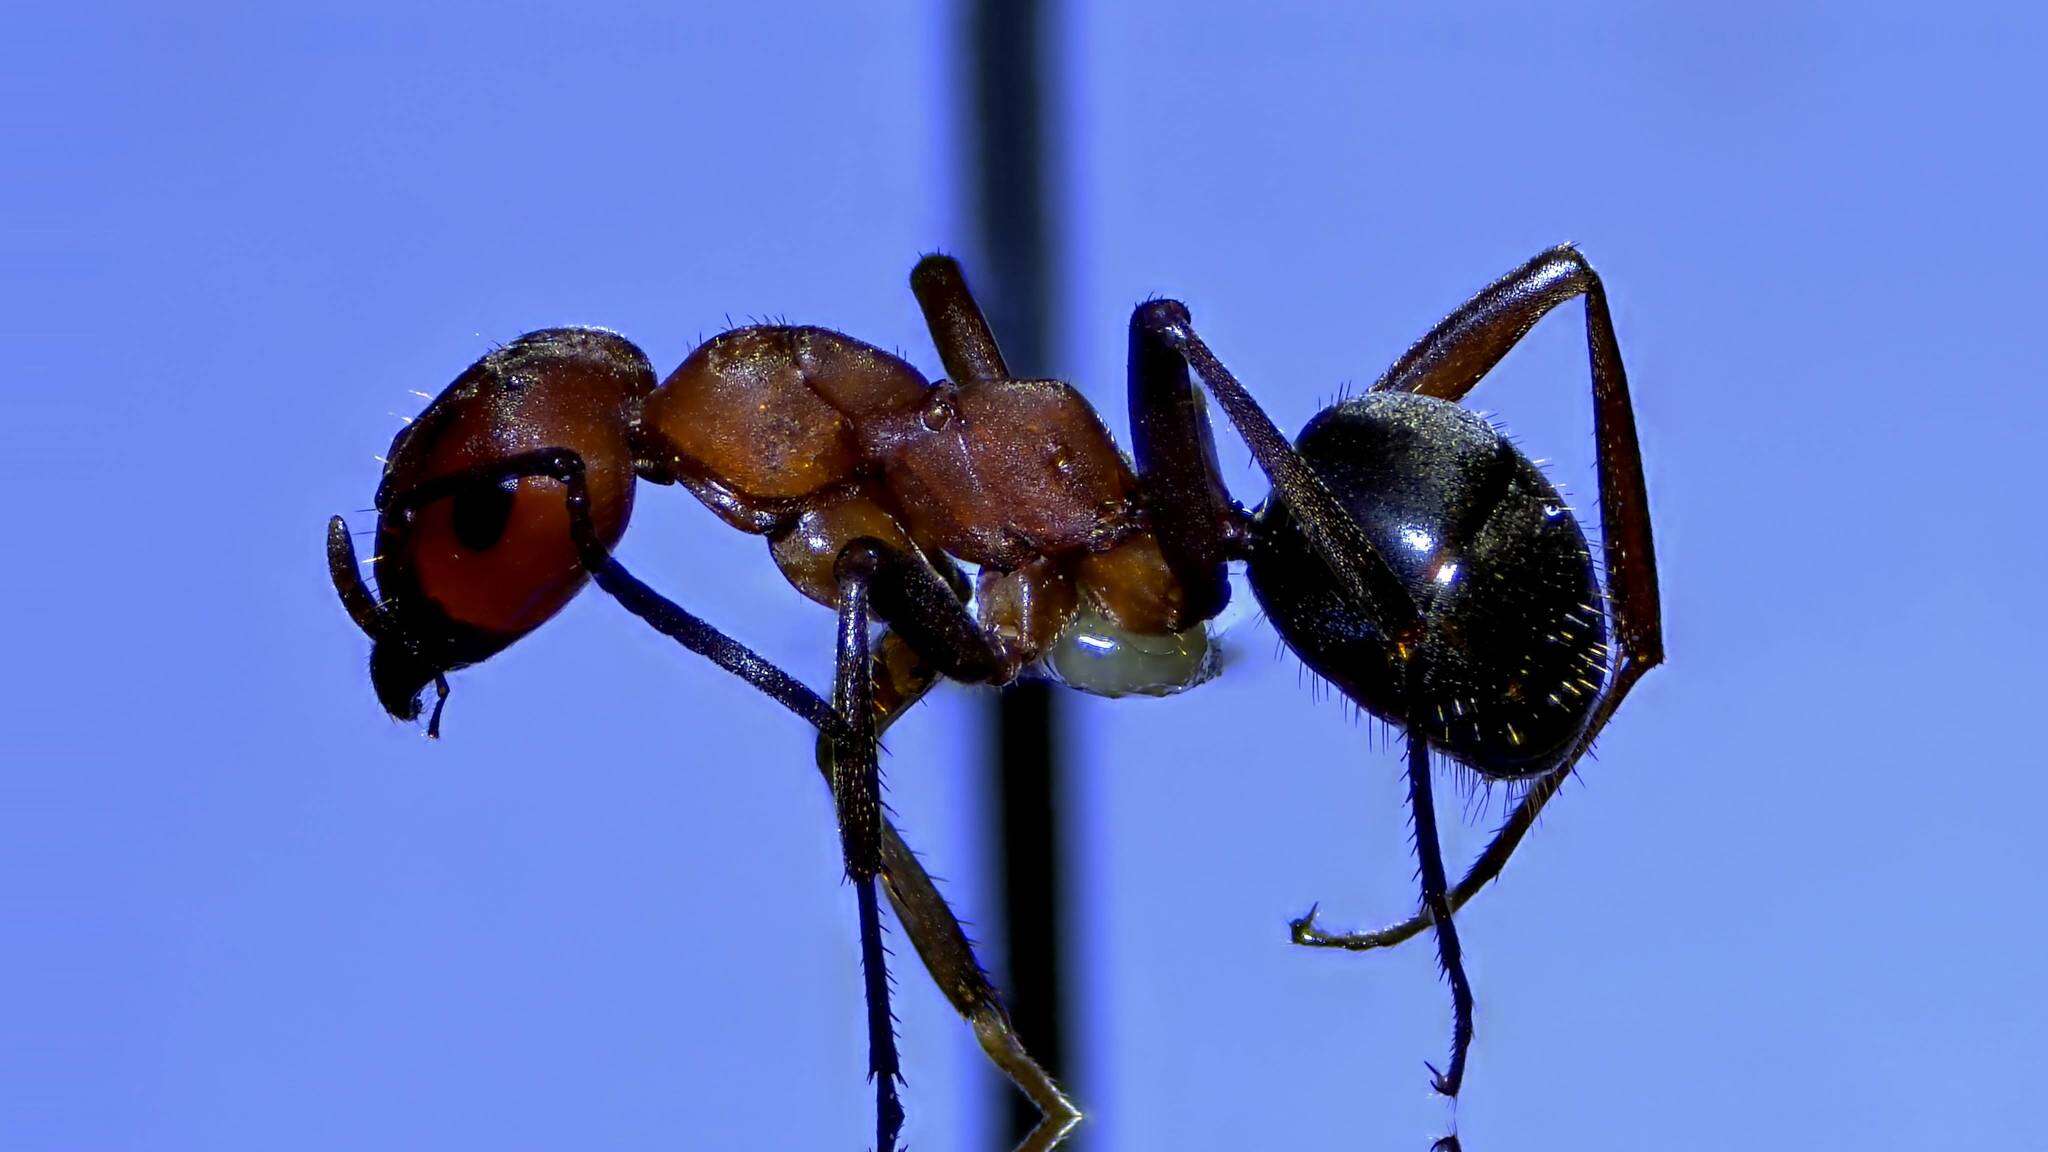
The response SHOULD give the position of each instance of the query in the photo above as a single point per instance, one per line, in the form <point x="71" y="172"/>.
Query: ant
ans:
<point x="1409" y="554"/>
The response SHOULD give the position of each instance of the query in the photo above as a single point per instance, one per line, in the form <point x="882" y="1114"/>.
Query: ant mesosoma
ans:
<point x="1409" y="554"/>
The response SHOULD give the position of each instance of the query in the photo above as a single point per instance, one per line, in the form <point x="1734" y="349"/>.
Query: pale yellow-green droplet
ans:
<point x="1096" y="655"/>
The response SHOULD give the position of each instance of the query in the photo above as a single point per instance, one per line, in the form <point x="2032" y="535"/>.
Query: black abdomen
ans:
<point x="1515" y="648"/>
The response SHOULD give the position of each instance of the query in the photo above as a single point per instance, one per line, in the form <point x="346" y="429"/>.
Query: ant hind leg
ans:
<point x="1429" y="855"/>
<point x="1448" y="363"/>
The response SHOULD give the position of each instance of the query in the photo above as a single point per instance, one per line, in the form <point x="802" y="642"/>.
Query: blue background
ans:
<point x="1796" y="901"/>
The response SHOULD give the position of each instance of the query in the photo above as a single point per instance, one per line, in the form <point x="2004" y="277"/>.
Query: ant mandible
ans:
<point x="1409" y="554"/>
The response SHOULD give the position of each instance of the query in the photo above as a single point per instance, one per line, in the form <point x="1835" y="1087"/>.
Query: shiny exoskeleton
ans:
<point x="1409" y="553"/>
<point x="1514" y="644"/>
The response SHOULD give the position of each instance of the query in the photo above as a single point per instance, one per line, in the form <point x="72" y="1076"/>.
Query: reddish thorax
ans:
<point x="815" y="439"/>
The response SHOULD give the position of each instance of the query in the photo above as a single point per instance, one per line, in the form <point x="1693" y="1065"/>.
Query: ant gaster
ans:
<point x="1409" y="554"/>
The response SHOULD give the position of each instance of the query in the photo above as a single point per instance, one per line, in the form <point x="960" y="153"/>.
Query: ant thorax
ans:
<point x="814" y="440"/>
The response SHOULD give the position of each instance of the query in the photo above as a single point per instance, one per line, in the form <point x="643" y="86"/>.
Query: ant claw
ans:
<point x="1302" y="929"/>
<point x="1437" y="1081"/>
<point x="1447" y="1144"/>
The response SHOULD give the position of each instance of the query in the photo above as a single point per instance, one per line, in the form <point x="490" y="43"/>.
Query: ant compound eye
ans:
<point x="482" y="511"/>
<point x="470" y="558"/>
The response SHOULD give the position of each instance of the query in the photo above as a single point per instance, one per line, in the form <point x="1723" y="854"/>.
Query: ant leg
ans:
<point x="968" y="350"/>
<point x="926" y="617"/>
<point x="856" y="791"/>
<point x="664" y="615"/>
<point x="949" y="956"/>
<point x="1484" y="870"/>
<point x="901" y="677"/>
<point x="1162" y="327"/>
<point x="1447" y="363"/>
<point x="1185" y="502"/>
<point x="1429" y="855"/>
<point x="915" y="600"/>
<point x="967" y="347"/>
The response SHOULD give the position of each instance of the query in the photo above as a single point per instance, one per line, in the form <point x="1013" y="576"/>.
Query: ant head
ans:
<point x="1514" y="647"/>
<point x="470" y="559"/>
